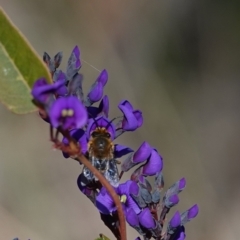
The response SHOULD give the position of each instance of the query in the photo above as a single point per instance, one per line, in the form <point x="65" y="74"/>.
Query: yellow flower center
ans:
<point x="123" y="198"/>
<point x="67" y="113"/>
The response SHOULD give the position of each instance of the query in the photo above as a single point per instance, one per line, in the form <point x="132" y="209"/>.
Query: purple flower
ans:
<point x="181" y="184"/>
<point x="179" y="234"/>
<point x="153" y="165"/>
<point x="175" y="220"/>
<point x="120" y="150"/>
<point x="80" y="136"/>
<point x="146" y="219"/>
<point x="74" y="63"/>
<point x="171" y="201"/>
<point x="103" y="77"/>
<point x="75" y="86"/>
<point x="141" y="155"/>
<point x="143" y="152"/>
<point x="68" y="112"/>
<point x="105" y="204"/>
<point x="101" y="110"/>
<point x="60" y="76"/>
<point x="132" y="218"/>
<point x="100" y="122"/>
<point x="193" y="212"/>
<point x="96" y="91"/>
<point x="132" y="119"/>
<point x="43" y="92"/>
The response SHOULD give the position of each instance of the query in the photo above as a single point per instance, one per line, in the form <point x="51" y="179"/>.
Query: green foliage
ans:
<point x="102" y="237"/>
<point x="20" y="66"/>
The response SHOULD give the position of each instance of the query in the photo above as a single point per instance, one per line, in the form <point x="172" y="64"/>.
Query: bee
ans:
<point x="101" y="156"/>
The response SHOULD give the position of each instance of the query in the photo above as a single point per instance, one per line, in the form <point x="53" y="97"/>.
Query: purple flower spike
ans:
<point x="132" y="218"/>
<point x="96" y="92"/>
<point x="130" y="122"/>
<point x="100" y="122"/>
<point x="154" y="164"/>
<point x="68" y="112"/>
<point x="142" y="153"/>
<point x="146" y="219"/>
<point x="103" y="77"/>
<point x="175" y="221"/>
<point x="193" y="212"/>
<point x="182" y="184"/>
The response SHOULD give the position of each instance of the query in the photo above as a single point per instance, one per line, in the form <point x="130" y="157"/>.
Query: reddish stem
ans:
<point x="111" y="191"/>
<point x="81" y="158"/>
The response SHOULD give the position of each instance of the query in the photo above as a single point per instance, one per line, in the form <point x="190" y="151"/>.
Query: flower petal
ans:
<point x="104" y="202"/>
<point x="146" y="219"/>
<point x="120" y="150"/>
<point x="96" y="92"/>
<point x="132" y="217"/>
<point x="175" y="220"/>
<point x="80" y="112"/>
<point x="193" y="211"/>
<point x="142" y="153"/>
<point x="139" y="117"/>
<point x="154" y="164"/>
<point x="129" y="123"/>
<point x="55" y="111"/>
<point x="182" y="184"/>
<point x="127" y="104"/>
<point x="103" y="77"/>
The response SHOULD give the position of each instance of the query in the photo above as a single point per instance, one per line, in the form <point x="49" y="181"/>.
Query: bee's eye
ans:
<point x="94" y="134"/>
<point x="108" y="135"/>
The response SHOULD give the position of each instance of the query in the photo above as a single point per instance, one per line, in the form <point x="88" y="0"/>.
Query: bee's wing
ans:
<point x="111" y="173"/>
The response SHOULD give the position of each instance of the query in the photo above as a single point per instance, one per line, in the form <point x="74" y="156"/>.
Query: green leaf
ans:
<point x="102" y="237"/>
<point x="20" y="66"/>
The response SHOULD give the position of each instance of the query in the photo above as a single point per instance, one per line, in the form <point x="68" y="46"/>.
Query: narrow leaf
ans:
<point x="20" y="66"/>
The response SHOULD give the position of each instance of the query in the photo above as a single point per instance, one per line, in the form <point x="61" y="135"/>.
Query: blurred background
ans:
<point x="177" y="61"/>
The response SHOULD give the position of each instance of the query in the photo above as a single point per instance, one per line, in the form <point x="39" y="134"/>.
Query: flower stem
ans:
<point x="111" y="191"/>
<point x="81" y="158"/>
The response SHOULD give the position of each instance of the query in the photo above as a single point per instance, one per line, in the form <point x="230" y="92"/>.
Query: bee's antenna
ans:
<point x="112" y="121"/>
<point x="94" y="119"/>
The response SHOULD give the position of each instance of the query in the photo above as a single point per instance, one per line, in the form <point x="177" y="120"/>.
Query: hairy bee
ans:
<point x="101" y="156"/>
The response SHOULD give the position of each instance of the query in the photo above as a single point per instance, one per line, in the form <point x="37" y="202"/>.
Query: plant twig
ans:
<point x="111" y="191"/>
<point x="82" y="159"/>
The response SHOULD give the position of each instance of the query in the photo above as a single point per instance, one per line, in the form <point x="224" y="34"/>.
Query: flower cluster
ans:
<point x="64" y="105"/>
